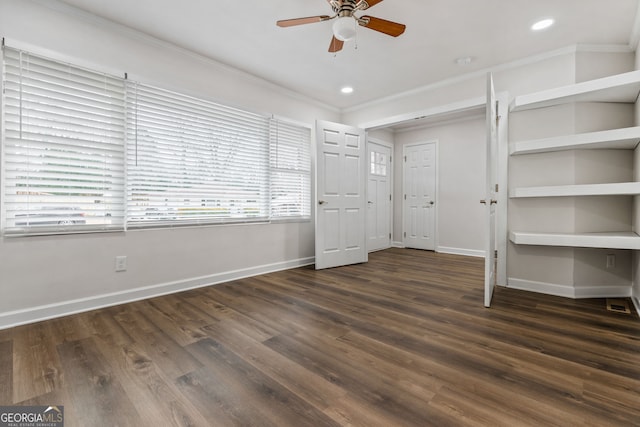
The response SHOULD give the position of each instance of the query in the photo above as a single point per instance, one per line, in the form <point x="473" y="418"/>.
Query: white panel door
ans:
<point x="419" y="206"/>
<point x="490" y="195"/>
<point x="378" y="197"/>
<point x="341" y="199"/>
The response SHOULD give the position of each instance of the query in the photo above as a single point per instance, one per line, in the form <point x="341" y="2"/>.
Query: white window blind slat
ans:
<point x="290" y="162"/>
<point x="63" y="151"/>
<point x="190" y="161"/>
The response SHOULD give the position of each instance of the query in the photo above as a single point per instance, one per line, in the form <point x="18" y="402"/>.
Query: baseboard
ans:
<point x="541" y="287"/>
<point x="397" y="245"/>
<point x="636" y="304"/>
<point x="569" y="291"/>
<point x="460" y="251"/>
<point x="50" y="311"/>
<point x="603" y="292"/>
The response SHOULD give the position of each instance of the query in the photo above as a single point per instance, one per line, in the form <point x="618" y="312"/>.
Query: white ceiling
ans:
<point x="243" y="34"/>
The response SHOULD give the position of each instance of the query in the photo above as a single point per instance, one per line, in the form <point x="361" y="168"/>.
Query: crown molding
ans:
<point x="568" y="50"/>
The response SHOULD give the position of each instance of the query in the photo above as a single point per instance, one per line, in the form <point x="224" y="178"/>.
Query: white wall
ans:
<point x="47" y="276"/>
<point x="461" y="171"/>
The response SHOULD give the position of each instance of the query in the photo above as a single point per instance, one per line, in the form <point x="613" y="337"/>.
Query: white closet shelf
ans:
<point x="614" y="189"/>
<point x="613" y="240"/>
<point x="619" y="88"/>
<point x="624" y="139"/>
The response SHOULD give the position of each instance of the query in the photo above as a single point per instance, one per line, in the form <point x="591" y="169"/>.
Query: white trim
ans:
<point x="602" y="292"/>
<point x="503" y="184"/>
<point x="604" y="48"/>
<point x="50" y="311"/>
<point x="570" y="291"/>
<point x="471" y="115"/>
<point x="396" y="244"/>
<point x="471" y="105"/>
<point x="460" y="251"/>
<point x="636" y="304"/>
<point x="541" y="287"/>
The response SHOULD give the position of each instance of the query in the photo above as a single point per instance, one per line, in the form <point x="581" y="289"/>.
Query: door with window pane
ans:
<point x="379" y="197"/>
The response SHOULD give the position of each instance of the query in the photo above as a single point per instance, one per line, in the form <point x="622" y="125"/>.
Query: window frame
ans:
<point x="126" y="224"/>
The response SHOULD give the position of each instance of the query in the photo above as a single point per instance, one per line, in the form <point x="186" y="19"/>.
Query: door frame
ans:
<point x="435" y="143"/>
<point x="390" y="146"/>
<point x="472" y="106"/>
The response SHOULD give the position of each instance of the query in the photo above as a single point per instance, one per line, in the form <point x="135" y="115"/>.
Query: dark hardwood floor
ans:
<point x="400" y="341"/>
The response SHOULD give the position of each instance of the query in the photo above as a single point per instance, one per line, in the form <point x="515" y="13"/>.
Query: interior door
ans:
<point x="490" y="196"/>
<point x="378" y="196"/>
<point x="419" y="206"/>
<point x="341" y="199"/>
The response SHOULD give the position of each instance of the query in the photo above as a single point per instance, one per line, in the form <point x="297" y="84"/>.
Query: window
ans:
<point x="63" y="148"/>
<point x="84" y="151"/>
<point x="290" y="170"/>
<point x="190" y="160"/>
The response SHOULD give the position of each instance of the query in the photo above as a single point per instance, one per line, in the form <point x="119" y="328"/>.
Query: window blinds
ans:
<point x="290" y="170"/>
<point x="84" y="151"/>
<point x="63" y="150"/>
<point x="193" y="161"/>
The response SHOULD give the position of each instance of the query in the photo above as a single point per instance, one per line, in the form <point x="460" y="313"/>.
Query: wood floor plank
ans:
<point x="157" y="401"/>
<point x="36" y="365"/>
<point x="95" y="392"/>
<point x="272" y="401"/>
<point x="403" y="340"/>
<point x="171" y="358"/>
<point x="6" y="373"/>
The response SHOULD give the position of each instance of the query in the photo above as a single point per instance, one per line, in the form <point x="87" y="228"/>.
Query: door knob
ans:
<point x="370" y="202"/>
<point x="321" y="202"/>
<point x="492" y="201"/>
<point x="431" y="202"/>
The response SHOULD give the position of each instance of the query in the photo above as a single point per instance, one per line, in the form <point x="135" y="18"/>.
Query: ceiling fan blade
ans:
<point x="382" y="25"/>
<point x="336" y="45"/>
<point x="370" y="3"/>
<point x="301" y="21"/>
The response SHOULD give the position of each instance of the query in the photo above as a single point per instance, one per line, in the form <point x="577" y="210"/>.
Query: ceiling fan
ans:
<point x="344" y="28"/>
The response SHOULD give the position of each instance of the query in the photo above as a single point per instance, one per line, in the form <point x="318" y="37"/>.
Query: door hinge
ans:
<point x="389" y="236"/>
<point x="496" y="188"/>
<point x="389" y="197"/>
<point x="405" y="197"/>
<point x="390" y="159"/>
<point x="495" y="253"/>
<point x="405" y="159"/>
<point x="405" y="234"/>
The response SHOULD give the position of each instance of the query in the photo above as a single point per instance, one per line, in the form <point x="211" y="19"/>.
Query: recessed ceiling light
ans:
<point x="464" y="60"/>
<point x="541" y="25"/>
<point x="346" y="90"/>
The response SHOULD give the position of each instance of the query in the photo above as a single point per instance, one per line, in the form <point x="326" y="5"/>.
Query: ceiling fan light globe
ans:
<point x="344" y="28"/>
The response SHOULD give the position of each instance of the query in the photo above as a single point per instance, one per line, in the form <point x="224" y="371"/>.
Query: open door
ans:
<point x="341" y="195"/>
<point x="491" y="190"/>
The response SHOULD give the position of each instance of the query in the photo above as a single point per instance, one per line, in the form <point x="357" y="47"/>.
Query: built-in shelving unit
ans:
<point x="613" y="240"/>
<point x="614" y="189"/>
<point x="621" y="88"/>
<point x="624" y="139"/>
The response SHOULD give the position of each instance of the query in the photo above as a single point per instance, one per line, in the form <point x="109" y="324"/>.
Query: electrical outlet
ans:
<point x="121" y="263"/>
<point x="611" y="261"/>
